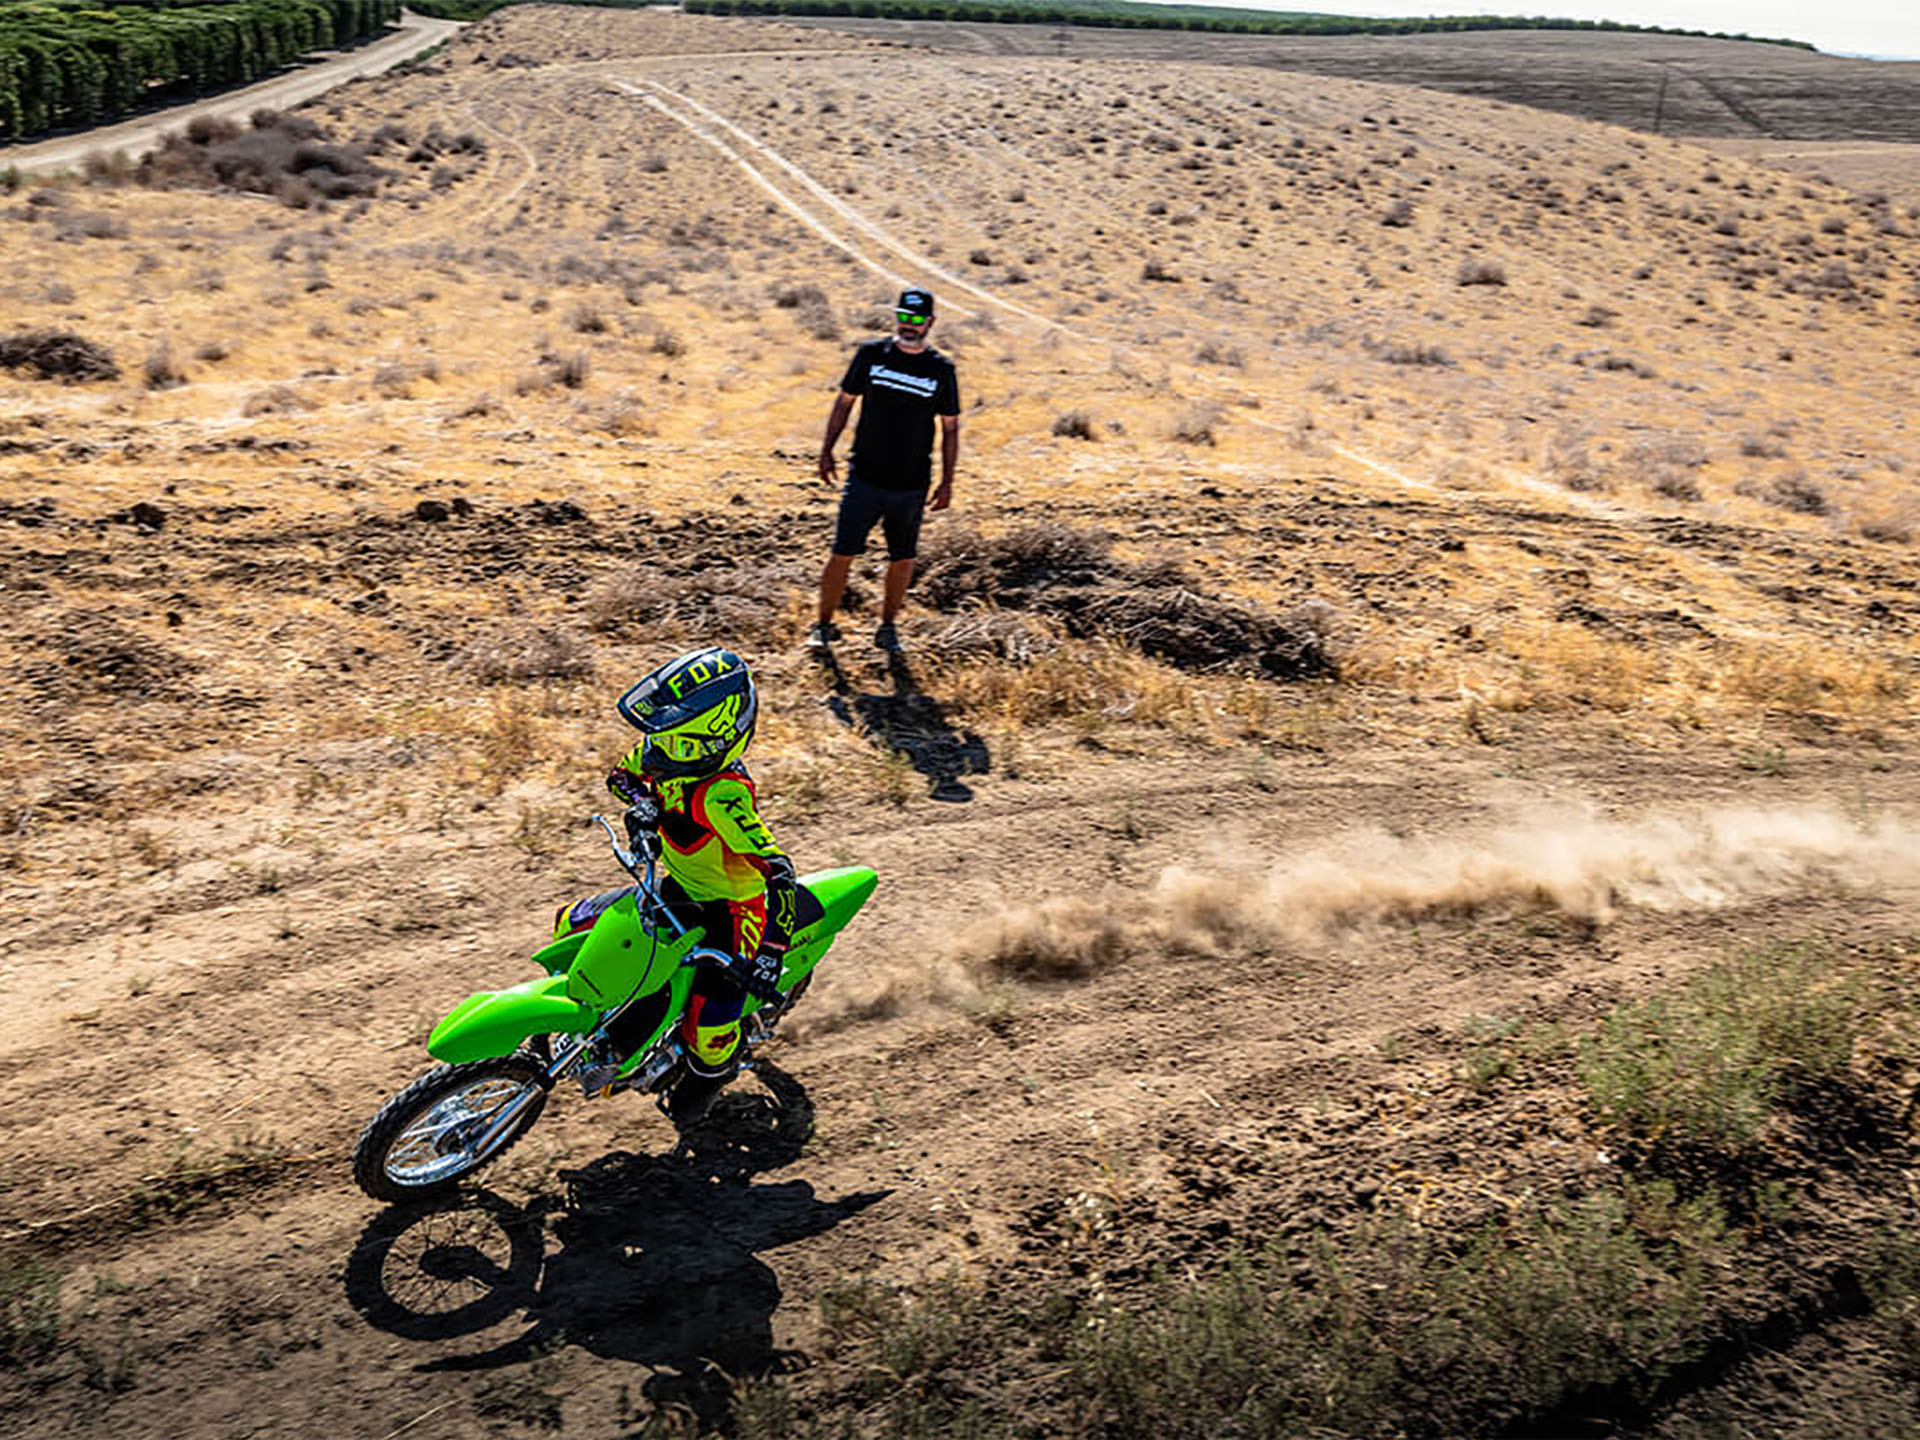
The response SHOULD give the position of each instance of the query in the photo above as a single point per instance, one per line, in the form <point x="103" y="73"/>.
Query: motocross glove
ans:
<point x="759" y="977"/>
<point x="783" y="894"/>
<point x="627" y="787"/>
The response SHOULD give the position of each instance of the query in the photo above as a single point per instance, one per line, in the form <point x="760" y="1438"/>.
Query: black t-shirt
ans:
<point x="893" y="443"/>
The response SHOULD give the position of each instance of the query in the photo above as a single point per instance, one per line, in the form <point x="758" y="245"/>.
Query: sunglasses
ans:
<point x="907" y="317"/>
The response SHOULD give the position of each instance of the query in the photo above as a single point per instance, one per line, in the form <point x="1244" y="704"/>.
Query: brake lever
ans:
<point x="629" y="861"/>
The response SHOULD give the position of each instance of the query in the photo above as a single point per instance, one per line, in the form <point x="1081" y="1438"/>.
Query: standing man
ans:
<point x="907" y="385"/>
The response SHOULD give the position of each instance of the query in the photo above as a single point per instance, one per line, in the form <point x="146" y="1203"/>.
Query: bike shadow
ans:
<point x="910" y="722"/>
<point x="658" y="1260"/>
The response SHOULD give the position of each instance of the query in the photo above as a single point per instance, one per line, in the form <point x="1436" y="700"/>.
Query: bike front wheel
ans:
<point x="446" y="1125"/>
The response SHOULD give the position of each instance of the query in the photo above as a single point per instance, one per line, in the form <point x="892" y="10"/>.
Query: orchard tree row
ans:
<point x="73" y="63"/>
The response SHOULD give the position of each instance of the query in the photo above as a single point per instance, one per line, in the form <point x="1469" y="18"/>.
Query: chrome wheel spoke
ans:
<point x="440" y="1142"/>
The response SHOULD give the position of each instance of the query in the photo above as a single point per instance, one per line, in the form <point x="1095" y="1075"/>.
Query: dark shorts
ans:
<point x="896" y="511"/>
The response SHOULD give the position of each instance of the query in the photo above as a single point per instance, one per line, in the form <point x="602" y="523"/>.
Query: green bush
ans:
<point x="1710" y="1065"/>
<point x="1397" y="1333"/>
<point x="29" y="1310"/>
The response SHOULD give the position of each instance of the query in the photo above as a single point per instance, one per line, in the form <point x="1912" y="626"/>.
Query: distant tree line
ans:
<point x="1117" y="14"/>
<point x="82" y="62"/>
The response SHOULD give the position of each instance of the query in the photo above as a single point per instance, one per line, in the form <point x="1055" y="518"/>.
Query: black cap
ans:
<point x="915" y="302"/>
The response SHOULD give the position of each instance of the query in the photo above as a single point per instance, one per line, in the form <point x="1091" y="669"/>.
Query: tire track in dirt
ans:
<point x="658" y="95"/>
<point x="664" y="100"/>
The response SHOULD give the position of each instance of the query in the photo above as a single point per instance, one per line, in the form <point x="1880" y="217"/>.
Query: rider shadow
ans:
<point x="912" y="723"/>
<point x="658" y="1262"/>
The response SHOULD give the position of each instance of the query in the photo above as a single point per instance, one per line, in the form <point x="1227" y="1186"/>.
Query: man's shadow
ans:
<point x="910" y="722"/>
<point x="658" y="1262"/>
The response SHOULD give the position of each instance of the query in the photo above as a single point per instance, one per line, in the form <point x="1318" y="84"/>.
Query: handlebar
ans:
<point x="640" y="863"/>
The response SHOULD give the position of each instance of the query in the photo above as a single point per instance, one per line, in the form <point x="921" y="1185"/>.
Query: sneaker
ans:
<point x="822" y="634"/>
<point x="888" y="639"/>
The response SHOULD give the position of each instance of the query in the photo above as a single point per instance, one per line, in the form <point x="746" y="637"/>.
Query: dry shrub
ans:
<point x="1793" y="492"/>
<point x="1211" y="353"/>
<point x="1095" y="683"/>
<point x="394" y="380"/>
<point x="160" y="371"/>
<point x="1480" y="272"/>
<point x="622" y="415"/>
<point x="279" y="154"/>
<point x="738" y="605"/>
<point x="568" y="370"/>
<point x="526" y="652"/>
<point x="1074" y="425"/>
<point x="1196" y="425"/>
<point x="1810" y="679"/>
<point x="1667" y="466"/>
<point x="57" y="355"/>
<point x="1892" y="524"/>
<point x="1672" y="483"/>
<point x="1070" y="576"/>
<point x="987" y="635"/>
<point x="275" y="400"/>
<point x="1569" y="462"/>
<point x="811" y="308"/>
<point x="104" y="168"/>
<point x="1412" y="355"/>
<point x="437" y="142"/>
<point x="508" y="744"/>
<point x="1566" y="665"/>
<point x="87" y="225"/>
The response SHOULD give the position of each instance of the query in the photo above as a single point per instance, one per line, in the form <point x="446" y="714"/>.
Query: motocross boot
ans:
<point x="694" y="1093"/>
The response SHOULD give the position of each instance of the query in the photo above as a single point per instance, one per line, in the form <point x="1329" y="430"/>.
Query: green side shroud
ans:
<point x="591" y="972"/>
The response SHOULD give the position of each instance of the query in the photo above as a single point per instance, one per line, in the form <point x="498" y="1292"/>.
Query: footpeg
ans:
<point x="598" y="1081"/>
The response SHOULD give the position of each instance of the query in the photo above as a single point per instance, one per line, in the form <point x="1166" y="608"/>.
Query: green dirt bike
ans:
<point x="614" y="989"/>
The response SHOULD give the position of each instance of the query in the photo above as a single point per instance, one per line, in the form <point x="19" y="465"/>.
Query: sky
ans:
<point x="1885" y="29"/>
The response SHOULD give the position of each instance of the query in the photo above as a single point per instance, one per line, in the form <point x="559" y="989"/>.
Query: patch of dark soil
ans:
<point x="1070" y="574"/>
<point x="96" y="655"/>
<point x="57" y="355"/>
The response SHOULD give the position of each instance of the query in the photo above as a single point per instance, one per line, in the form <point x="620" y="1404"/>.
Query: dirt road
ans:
<point x="412" y="35"/>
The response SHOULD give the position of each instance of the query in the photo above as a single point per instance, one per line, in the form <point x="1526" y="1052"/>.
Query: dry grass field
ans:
<point x="1427" y="624"/>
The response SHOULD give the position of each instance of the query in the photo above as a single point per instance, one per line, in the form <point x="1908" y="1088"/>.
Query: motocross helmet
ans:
<point x="696" y="712"/>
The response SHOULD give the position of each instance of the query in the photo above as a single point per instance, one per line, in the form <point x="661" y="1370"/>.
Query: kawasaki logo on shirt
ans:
<point x="922" y="385"/>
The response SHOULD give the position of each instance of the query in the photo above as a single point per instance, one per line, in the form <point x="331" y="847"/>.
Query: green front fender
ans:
<point x="494" y="1022"/>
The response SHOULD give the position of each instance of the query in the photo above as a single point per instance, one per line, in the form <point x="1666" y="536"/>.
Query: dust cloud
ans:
<point x="1575" y="862"/>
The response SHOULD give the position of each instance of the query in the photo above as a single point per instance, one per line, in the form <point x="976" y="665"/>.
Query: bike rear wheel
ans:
<point x="436" y="1132"/>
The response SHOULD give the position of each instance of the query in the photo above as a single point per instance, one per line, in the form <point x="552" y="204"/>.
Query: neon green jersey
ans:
<point x="717" y="846"/>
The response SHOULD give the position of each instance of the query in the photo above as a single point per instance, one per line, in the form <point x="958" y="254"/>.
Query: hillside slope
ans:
<point x="1426" y="573"/>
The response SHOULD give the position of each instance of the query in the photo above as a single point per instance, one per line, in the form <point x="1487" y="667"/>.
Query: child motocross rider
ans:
<point x="723" y="870"/>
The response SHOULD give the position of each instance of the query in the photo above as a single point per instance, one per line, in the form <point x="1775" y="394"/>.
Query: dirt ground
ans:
<point x="1663" y="84"/>
<point x="1337" y="656"/>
